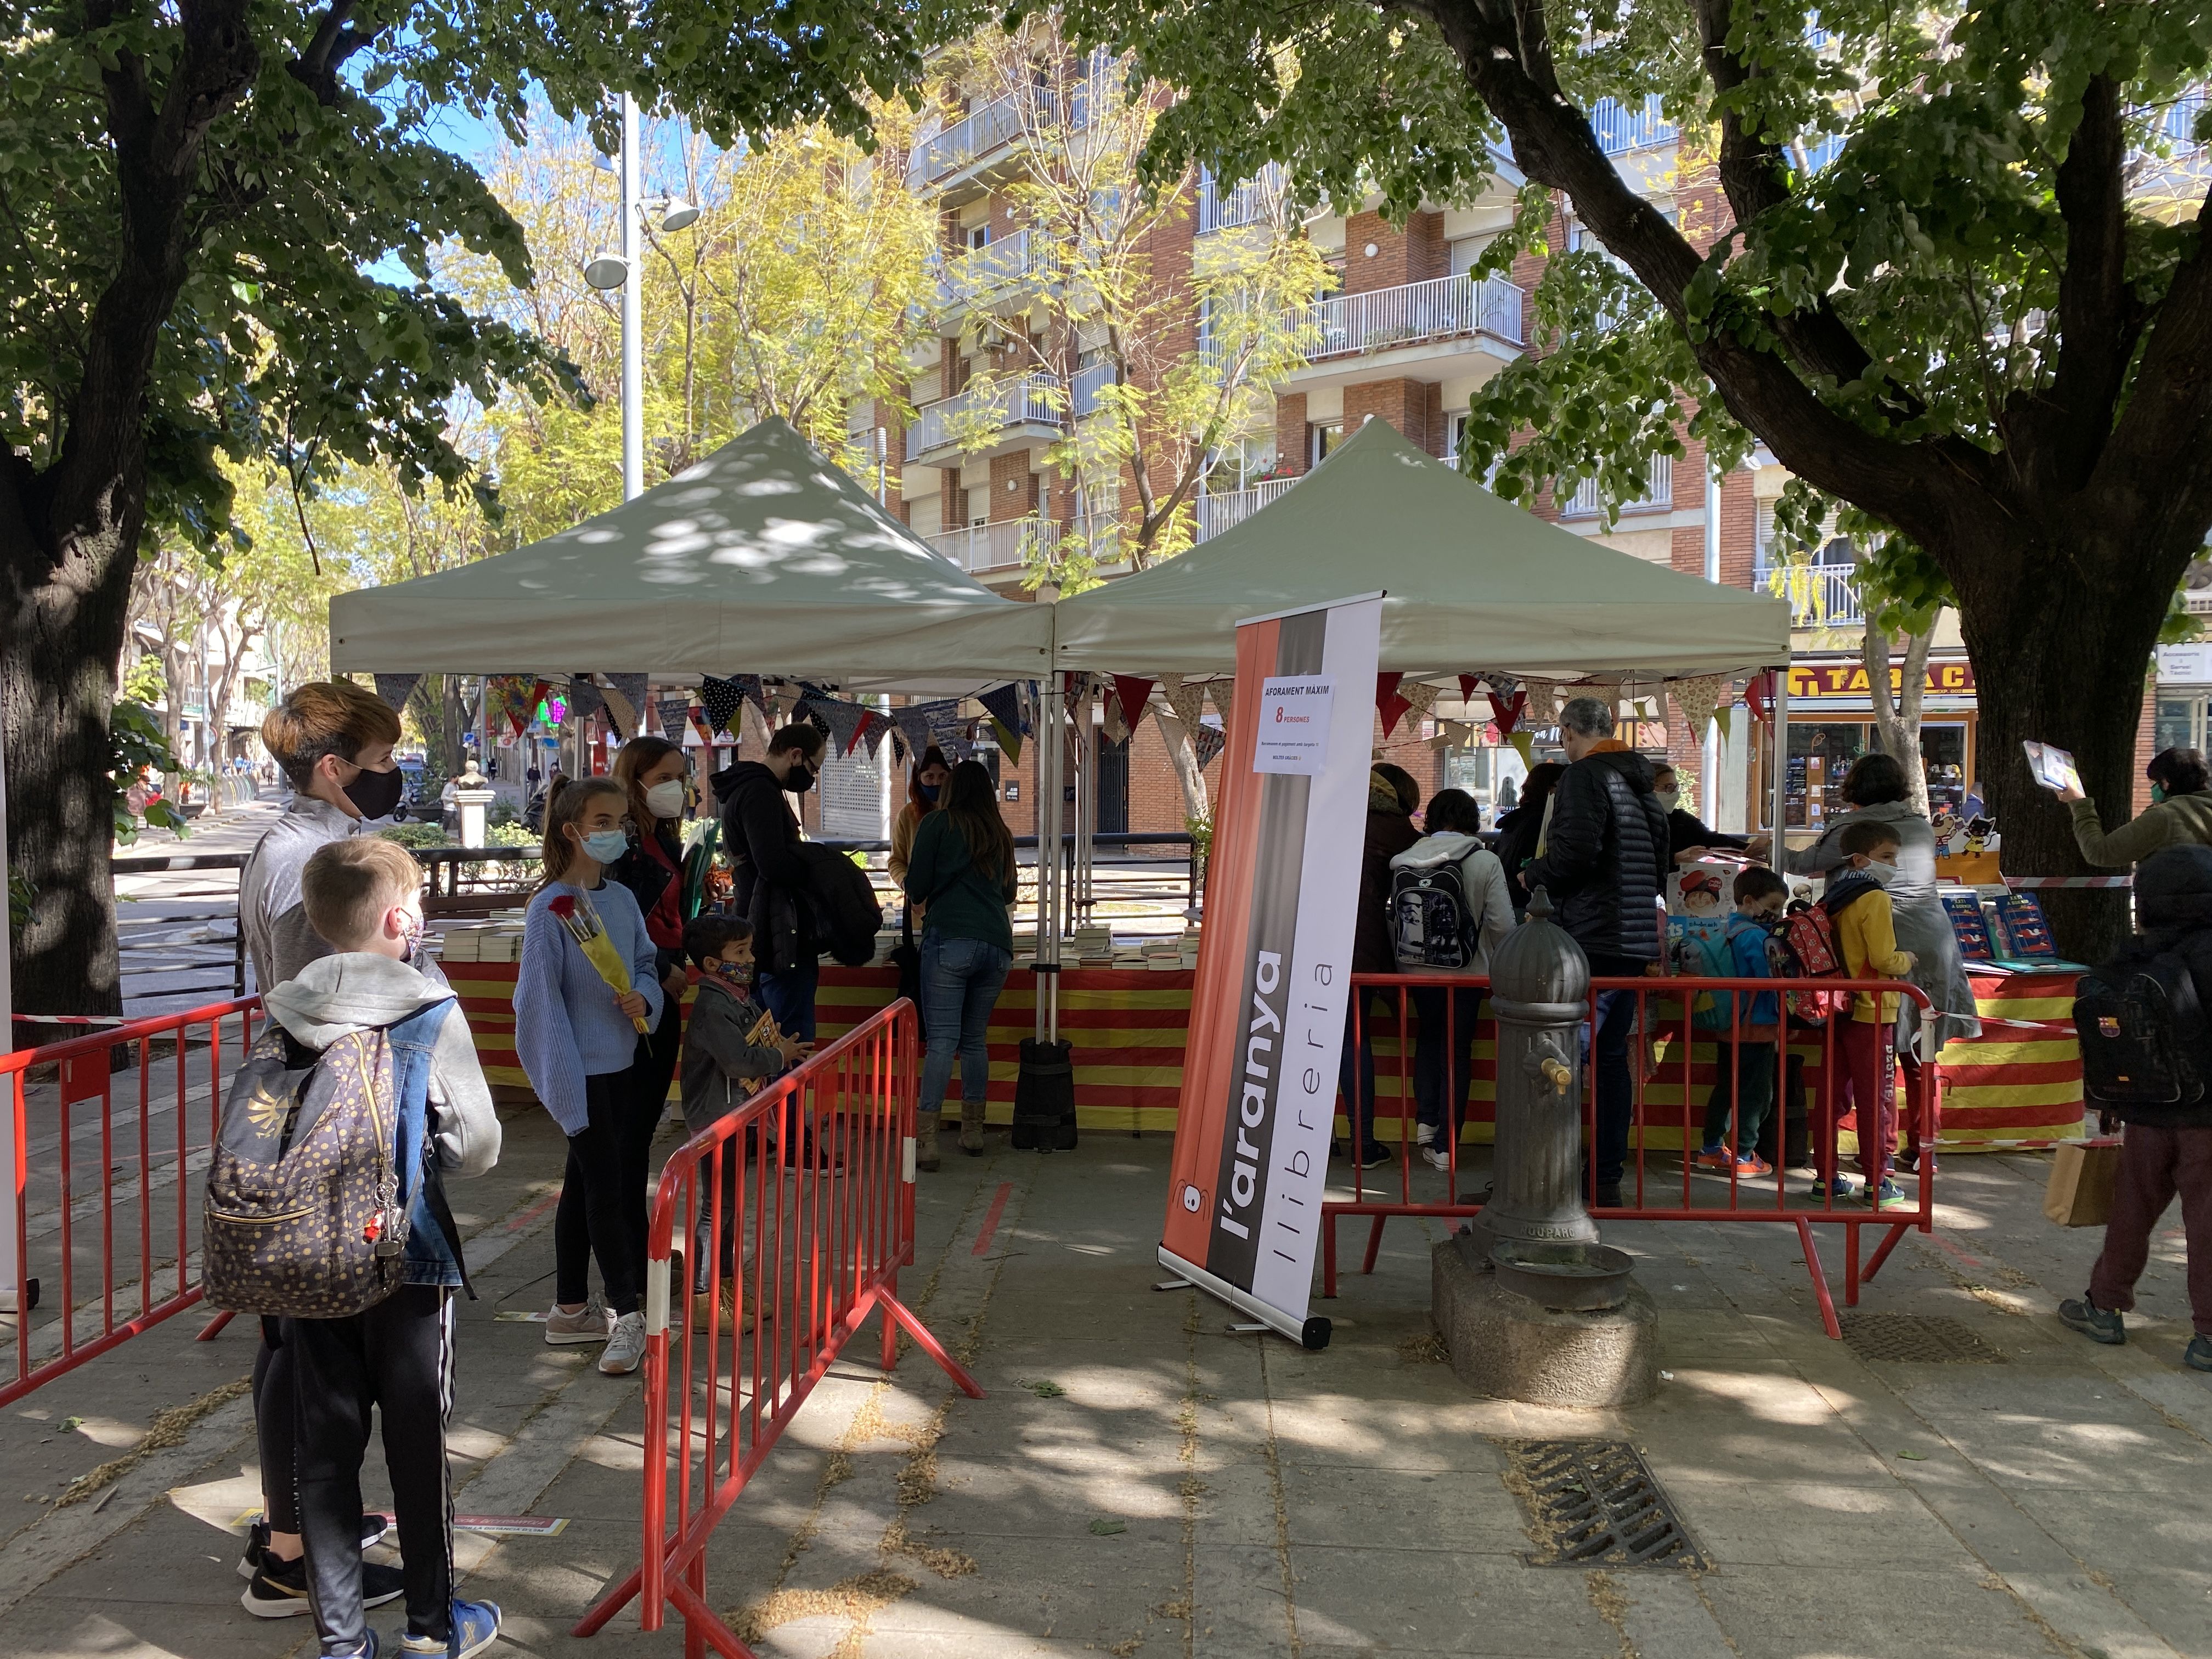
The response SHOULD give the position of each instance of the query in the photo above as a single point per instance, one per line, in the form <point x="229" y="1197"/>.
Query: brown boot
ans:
<point x="925" y="1140"/>
<point x="971" y="1127"/>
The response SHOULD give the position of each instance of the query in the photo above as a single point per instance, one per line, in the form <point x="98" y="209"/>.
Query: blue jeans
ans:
<point x="1616" y="1088"/>
<point x="788" y="993"/>
<point x="960" y="983"/>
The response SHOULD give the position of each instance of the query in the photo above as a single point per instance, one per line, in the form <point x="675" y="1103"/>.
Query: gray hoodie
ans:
<point x="335" y="995"/>
<point x="271" y="914"/>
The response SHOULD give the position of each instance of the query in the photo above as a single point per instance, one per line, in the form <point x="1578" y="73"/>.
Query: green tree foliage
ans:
<point x="1943" y="261"/>
<point x="220" y="225"/>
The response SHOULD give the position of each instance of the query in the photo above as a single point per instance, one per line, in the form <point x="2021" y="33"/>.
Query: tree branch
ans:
<point x="2067" y="429"/>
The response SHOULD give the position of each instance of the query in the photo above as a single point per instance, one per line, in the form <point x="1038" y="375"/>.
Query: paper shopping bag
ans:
<point x="2082" y="1175"/>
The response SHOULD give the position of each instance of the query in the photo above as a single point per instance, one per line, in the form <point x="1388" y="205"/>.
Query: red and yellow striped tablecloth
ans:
<point x="2019" y="1083"/>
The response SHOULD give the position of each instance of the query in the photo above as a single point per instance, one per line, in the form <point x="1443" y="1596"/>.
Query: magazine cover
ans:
<point x="1971" y="926"/>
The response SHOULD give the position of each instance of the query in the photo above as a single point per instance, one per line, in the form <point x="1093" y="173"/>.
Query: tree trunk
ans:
<point x="2055" y="663"/>
<point x="1185" y="758"/>
<point x="1896" y="721"/>
<point x="57" y="685"/>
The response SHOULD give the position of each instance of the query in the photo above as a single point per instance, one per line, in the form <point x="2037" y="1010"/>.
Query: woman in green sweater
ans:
<point x="961" y="872"/>
<point x="2180" y="813"/>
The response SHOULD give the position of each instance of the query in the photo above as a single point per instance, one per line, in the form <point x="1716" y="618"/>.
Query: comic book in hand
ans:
<point x="763" y="1035"/>
<point x="2052" y="767"/>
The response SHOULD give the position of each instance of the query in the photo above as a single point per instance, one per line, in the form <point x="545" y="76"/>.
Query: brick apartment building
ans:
<point x="1405" y="335"/>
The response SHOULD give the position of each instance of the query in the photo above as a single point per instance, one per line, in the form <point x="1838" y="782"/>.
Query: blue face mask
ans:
<point x="929" y="792"/>
<point x="606" y="846"/>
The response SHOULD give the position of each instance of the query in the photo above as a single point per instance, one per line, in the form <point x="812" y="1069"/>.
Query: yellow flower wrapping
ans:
<point x="599" y="951"/>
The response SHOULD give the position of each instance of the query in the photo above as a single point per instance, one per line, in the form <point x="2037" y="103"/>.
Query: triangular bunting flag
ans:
<point x="941" y="721"/>
<point x="1008" y="739"/>
<point x="585" y="699"/>
<point x="898" y="745"/>
<point x="913" y="722"/>
<point x="1187" y="700"/>
<point x="1389" y="703"/>
<point x="846" y="719"/>
<point x="1721" y="719"/>
<point x="393" y="690"/>
<point x="1206" y="742"/>
<point x="719" y="701"/>
<point x="1697" y="698"/>
<point x="1758" y="695"/>
<point x="1467" y="685"/>
<point x="626" y="696"/>
<point x="1132" y="692"/>
<point x="1113" y="722"/>
<point x="1523" y="744"/>
<point x="1004" y="704"/>
<point x="1224" y="693"/>
<point x="1423" y="696"/>
<point x="1543" y="708"/>
<point x="675" y="714"/>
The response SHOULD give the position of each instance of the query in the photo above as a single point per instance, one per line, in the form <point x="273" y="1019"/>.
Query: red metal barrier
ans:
<point x="812" y="1180"/>
<point x="154" y="1271"/>
<point x="1673" y="1068"/>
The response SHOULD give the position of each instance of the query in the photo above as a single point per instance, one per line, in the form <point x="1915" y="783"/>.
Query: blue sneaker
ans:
<point x="475" y="1627"/>
<point x="2198" y="1356"/>
<point x="1840" y="1187"/>
<point x="1889" y="1196"/>
<point x="2098" y="1324"/>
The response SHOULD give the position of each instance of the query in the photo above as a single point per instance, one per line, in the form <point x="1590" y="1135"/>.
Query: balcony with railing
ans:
<point x="1004" y="546"/>
<point x="1230" y="508"/>
<point x="1384" y="318"/>
<point x="1658" y="494"/>
<point x="1621" y="127"/>
<point x="1231" y="209"/>
<point x="1818" y="595"/>
<point x="1084" y="386"/>
<point x="1010" y="411"/>
<point x="986" y="130"/>
<point x="1010" y="267"/>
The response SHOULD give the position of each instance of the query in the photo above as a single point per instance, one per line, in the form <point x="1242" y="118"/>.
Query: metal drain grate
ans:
<point x="1918" y="1339"/>
<point x="1595" y="1504"/>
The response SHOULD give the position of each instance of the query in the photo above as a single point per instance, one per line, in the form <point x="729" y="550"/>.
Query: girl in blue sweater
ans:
<point x="578" y="1038"/>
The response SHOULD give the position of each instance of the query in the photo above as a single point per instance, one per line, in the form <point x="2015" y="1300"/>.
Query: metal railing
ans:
<point x="967" y="142"/>
<point x="1658" y="494"/>
<point x="1084" y="386"/>
<point x="1623" y="127"/>
<point x="1230" y="508"/>
<point x="1238" y="205"/>
<point x="1029" y="400"/>
<point x="1412" y="312"/>
<point x="1011" y="262"/>
<point x="997" y="546"/>
<point x="1818" y="594"/>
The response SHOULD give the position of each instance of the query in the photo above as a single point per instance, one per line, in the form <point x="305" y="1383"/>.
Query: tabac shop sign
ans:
<point x="1849" y="679"/>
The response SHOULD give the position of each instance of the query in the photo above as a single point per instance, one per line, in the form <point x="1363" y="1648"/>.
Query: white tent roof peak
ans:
<point x="762" y="558"/>
<point x="1472" y="582"/>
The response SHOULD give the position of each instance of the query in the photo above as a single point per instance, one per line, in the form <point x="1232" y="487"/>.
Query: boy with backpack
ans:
<point x="1744" y="1087"/>
<point x="2146" y="1059"/>
<point x="731" y="1050"/>
<point x="325" y="1206"/>
<point x="1450" y="906"/>
<point x="1858" y="909"/>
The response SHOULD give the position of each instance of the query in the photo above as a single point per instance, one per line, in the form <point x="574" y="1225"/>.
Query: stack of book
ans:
<point x="491" y="941"/>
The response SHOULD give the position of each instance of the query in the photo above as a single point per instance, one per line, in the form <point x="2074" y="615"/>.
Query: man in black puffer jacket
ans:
<point x="2166" y="1150"/>
<point x="774" y="887"/>
<point x="1603" y="857"/>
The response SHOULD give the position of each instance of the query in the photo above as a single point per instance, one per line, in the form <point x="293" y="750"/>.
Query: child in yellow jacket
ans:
<point x="1866" y="935"/>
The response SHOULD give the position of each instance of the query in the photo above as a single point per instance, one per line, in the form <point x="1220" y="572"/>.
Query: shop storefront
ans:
<point x="1832" y="725"/>
<point x="2184" y="697"/>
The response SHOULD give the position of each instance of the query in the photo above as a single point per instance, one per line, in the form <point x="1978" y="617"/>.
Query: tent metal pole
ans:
<point x="1053" y="711"/>
<point x="1085" y="747"/>
<point x="1778" y="853"/>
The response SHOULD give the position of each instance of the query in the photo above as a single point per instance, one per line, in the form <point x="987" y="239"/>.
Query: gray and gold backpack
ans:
<point x="306" y="1213"/>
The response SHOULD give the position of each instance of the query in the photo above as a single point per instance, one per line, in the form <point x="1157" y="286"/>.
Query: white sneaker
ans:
<point x="1425" y="1134"/>
<point x="1439" y="1156"/>
<point x="590" y="1324"/>
<point x="625" y="1346"/>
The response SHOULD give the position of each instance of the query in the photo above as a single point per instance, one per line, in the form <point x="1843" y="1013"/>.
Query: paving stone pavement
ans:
<point x="1182" y="1490"/>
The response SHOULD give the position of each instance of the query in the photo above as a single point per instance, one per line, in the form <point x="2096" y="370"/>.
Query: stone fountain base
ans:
<point x="1510" y="1347"/>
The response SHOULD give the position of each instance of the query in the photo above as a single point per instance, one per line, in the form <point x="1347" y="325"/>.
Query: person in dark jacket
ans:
<point x="771" y="888"/>
<point x="654" y="771"/>
<point x="1687" y="835"/>
<point x="1603" y="863"/>
<point x="1392" y="795"/>
<point x="2165" y="1149"/>
<point x="1518" y="829"/>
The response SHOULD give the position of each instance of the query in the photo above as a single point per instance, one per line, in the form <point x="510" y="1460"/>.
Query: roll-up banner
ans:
<point x="1274" y="967"/>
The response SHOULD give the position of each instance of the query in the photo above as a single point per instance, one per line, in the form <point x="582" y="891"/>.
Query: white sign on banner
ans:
<point x="1293" y="737"/>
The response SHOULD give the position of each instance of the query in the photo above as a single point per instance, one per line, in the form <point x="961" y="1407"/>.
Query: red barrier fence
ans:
<point x="811" y="1184"/>
<point x="107" y="1212"/>
<point x="1673" y="1067"/>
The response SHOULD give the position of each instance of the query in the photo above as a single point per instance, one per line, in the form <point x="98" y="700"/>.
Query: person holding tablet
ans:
<point x="2180" y="813"/>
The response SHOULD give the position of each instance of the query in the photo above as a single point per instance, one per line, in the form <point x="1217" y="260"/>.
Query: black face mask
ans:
<point x="799" y="779"/>
<point x="375" y="793"/>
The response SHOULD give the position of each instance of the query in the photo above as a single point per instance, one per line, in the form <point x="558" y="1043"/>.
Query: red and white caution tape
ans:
<point x="2069" y="881"/>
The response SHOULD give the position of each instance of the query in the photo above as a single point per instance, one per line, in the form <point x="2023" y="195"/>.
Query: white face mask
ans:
<point x="1669" y="798"/>
<point x="666" y="800"/>
<point x="1883" y="874"/>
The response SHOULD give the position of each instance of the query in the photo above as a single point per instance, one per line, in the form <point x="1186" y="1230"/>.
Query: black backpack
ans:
<point x="846" y="914"/>
<point x="1430" y="925"/>
<point x="2143" y="1034"/>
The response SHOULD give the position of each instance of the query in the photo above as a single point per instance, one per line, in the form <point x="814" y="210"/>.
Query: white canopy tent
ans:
<point x="762" y="559"/>
<point x="1474" y="583"/>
